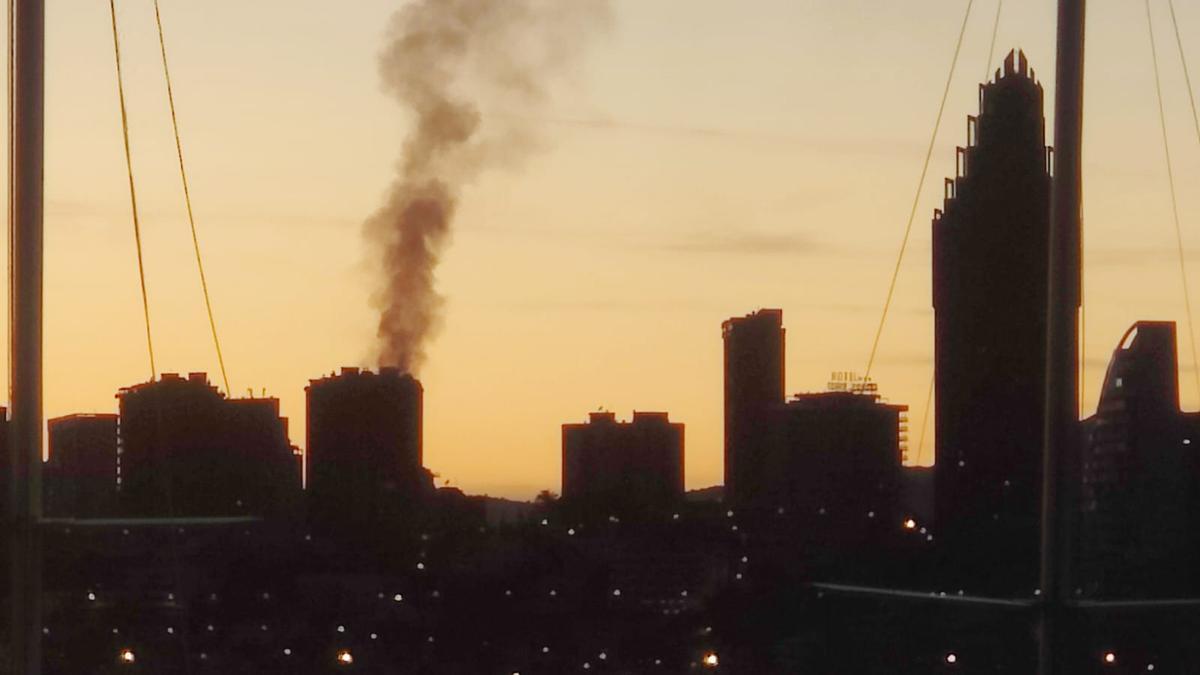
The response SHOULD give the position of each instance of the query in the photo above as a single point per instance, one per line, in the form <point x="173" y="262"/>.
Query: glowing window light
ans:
<point x="710" y="660"/>
<point x="126" y="656"/>
<point x="345" y="658"/>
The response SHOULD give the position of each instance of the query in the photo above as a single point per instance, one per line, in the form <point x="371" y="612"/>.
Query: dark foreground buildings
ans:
<point x="186" y="450"/>
<point x="754" y="386"/>
<point x="989" y="296"/>
<point x="80" y="480"/>
<point x="363" y="455"/>
<point x="1138" y="527"/>
<point x="624" y="466"/>
<point x="836" y="455"/>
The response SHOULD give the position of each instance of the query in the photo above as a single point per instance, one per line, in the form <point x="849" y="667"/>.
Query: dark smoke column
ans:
<point x="444" y="61"/>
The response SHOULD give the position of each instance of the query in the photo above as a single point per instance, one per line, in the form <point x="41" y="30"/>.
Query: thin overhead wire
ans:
<point x="137" y="228"/>
<point x="925" y="421"/>
<point x="1162" y="118"/>
<point x="1186" y="75"/>
<point x="11" y="173"/>
<point x="187" y="198"/>
<point x="887" y="303"/>
<point x="992" y="48"/>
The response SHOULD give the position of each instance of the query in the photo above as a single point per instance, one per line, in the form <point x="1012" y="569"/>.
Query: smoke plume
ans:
<point x="446" y="61"/>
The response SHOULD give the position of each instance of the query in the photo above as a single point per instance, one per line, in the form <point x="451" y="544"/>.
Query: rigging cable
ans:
<point x="917" y="197"/>
<point x="12" y="60"/>
<point x="187" y="198"/>
<point x="1162" y="118"/>
<point x="137" y="229"/>
<point x="992" y="47"/>
<point x="1187" y="78"/>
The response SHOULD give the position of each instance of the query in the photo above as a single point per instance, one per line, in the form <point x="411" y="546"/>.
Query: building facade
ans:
<point x="625" y="465"/>
<point x="990" y="262"/>
<point x="186" y="450"/>
<point x="836" y="455"/>
<point x="364" y="448"/>
<point x="1140" y="475"/>
<point x="81" y="475"/>
<point x="754" y="386"/>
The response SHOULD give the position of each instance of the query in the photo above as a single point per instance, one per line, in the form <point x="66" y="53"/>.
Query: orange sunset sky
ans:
<point x="735" y="155"/>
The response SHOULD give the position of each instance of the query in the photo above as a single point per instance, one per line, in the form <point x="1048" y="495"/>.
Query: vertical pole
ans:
<point x="26" y="123"/>
<point x="1062" y="335"/>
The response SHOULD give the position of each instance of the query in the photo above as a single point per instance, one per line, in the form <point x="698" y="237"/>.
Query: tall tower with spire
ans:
<point x="990" y="259"/>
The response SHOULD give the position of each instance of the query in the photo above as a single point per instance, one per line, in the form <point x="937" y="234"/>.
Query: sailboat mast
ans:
<point x="26" y="136"/>
<point x="1062" y="334"/>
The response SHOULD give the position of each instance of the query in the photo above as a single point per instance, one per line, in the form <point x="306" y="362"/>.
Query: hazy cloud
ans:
<point x="747" y="243"/>
<point x="1134" y="257"/>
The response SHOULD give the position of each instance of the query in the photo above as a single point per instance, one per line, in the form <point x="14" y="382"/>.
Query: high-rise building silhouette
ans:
<point x="754" y="386"/>
<point x="623" y="465"/>
<point x="186" y="450"/>
<point x="364" y="452"/>
<point x="990" y="261"/>
<point x="80" y="479"/>
<point x="835" y="456"/>
<point x="1140" y="475"/>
